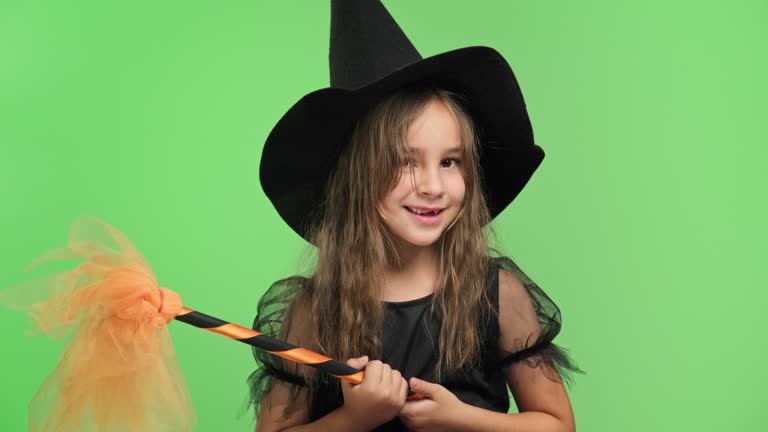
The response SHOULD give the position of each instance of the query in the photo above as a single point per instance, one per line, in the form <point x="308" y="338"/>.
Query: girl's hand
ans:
<point x="378" y="398"/>
<point x="435" y="412"/>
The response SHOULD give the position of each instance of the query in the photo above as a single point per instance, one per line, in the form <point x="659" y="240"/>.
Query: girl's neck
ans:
<point x="414" y="277"/>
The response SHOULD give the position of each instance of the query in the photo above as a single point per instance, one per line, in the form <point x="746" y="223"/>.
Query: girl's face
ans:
<point x="430" y="191"/>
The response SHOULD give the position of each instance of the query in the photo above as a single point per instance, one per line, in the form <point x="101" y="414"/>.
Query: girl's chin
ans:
<point x="418" y="241"/>
<point x="423" y="244"/>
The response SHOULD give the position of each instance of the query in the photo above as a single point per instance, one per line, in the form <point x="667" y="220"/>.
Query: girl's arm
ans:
<point x="271" y="417"/>
<point x="442" y="410"/>
<point x="376" y="400"/>
<point x="528" y="320"/>
<point x="543" y="406"/>
<point x="541" y="398"/>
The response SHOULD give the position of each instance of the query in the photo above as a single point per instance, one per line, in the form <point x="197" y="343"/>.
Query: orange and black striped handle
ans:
<point x="276" y="346"/>
<point x="271" y="345"/>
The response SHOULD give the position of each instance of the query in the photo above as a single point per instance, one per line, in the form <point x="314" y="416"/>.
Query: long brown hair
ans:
<point x="354" y="247"/>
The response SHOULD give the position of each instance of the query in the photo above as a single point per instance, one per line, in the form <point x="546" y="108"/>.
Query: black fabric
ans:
<point x="410" y="345"/>
<point x="366" y="43"/>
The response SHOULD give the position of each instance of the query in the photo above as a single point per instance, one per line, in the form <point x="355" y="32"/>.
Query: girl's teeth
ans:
<point x="421" y="212"/>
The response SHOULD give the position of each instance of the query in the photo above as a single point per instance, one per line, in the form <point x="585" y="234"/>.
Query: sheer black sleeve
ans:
<point x="277" y="317"/>
<point x="529" y="321"/>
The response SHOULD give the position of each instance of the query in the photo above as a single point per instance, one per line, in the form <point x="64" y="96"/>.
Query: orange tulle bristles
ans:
<point x="118" y="371"/>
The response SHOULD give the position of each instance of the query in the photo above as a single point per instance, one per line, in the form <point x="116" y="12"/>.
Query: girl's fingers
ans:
<point x="373" y="371"/>
<point x="357" y="363"/>
<point x="395" y="378"/>
<point x="400" y="384"/>
<point x="386" y="374"/>
<point x="404" y="388"/>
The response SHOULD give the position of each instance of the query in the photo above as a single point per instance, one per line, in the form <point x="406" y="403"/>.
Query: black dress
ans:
<point x="530" y="320"/>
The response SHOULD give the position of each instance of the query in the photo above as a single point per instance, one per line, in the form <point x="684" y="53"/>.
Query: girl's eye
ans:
<point x="449" y="163"/>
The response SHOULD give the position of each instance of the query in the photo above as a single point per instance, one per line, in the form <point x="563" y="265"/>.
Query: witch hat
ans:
<point x="370" y="58"/>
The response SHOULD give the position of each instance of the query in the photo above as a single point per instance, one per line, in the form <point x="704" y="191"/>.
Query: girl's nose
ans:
<point x="429" y="182"/>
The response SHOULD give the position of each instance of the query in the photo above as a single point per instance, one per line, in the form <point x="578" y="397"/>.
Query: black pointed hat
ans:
<point x="370" y="57"/>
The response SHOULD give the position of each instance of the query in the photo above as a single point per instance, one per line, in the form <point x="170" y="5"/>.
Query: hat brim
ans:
<point x="302" y="150"/>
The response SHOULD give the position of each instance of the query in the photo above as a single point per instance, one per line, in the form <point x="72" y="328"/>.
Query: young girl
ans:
<point x="397" y="202"/>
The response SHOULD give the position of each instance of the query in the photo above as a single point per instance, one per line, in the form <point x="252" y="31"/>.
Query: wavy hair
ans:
<point x="354" y="246"/>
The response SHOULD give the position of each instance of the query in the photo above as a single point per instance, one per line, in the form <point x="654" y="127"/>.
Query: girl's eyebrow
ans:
<point x="450" y="151"/>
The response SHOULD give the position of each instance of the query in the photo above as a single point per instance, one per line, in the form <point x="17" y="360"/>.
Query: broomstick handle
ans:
<point x="276" y="346"/>
<point x="271" y="345"/>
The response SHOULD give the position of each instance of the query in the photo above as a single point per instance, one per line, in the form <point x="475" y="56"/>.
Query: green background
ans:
<point x="645" y="222"/>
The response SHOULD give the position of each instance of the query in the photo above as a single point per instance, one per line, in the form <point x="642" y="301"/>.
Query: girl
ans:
<point x="398" y="203"/>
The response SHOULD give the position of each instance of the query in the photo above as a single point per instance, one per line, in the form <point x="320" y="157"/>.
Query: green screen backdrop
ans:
<point x="646" y="222"/>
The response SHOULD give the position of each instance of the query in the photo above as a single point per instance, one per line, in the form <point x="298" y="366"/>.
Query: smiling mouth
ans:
<point x="421" y="212"/>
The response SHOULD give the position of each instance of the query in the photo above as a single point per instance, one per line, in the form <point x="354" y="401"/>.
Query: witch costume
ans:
<point x="370" y="58"/>
<point x="118" y="370"/>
